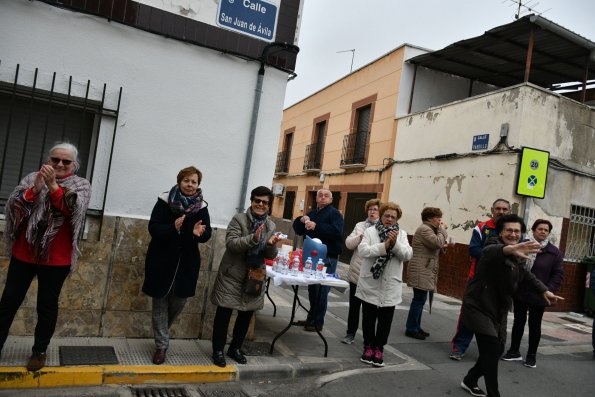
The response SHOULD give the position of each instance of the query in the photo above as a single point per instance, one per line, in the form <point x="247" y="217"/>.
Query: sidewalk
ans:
<point x="297" y="353"/>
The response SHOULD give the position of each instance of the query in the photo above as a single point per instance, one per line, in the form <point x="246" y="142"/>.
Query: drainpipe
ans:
<point x="255" y="109"/>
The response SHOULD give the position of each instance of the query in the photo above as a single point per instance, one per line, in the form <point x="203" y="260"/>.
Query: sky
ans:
<point x="375" y="27"/>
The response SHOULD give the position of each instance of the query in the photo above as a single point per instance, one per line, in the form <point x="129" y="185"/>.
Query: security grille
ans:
<point x="36" y="112"/>
<point x="581" y="233"/>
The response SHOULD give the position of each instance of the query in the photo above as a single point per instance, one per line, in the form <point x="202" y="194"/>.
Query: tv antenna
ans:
<point x="352" y="55"/>
<point x="526" y="6"/>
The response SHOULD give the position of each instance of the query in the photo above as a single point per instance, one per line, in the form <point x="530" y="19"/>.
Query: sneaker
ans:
<point x="348" y="339"/>
<point x="530" y="361"/>
<point x="378" y="358"/>
<point x="512" y="356"/>
<point x="367" y="356"/>
<point x="474" y="390"/>
<point x="456" y="356"/>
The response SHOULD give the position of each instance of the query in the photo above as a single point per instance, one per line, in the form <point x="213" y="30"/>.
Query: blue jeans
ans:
<point x="318" y="311"/>
<point x="415" y="310"/>
<point x="462" y="339"/>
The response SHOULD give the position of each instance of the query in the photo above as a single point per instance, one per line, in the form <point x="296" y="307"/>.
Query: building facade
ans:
<point x="144" y="89"/>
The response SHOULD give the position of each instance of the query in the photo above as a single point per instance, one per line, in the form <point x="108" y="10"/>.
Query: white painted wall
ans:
<point x="433" y="88"/>
<point x="465" y="188"/>
<point x="181" y="104"/>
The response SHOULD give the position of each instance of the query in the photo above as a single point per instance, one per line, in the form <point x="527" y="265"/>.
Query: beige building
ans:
<point x="342" y="138"/>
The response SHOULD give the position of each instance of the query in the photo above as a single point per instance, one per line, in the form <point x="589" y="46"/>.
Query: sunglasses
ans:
<point x="56" y="161"/>
<point x="259" y="201"/>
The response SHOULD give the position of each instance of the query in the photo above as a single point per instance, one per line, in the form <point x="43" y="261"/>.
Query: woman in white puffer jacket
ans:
<point x="380" y="285"/>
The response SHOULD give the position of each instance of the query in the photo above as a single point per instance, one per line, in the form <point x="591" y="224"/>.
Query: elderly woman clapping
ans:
<point x="45" y="216"/>
<point x="250" y="239"/>
<point x="179" y="221"/>
<point x="380" y="285"/>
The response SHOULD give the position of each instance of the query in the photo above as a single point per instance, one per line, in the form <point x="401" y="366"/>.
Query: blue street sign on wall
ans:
<point x="256" y="18"/>
<point x="480" y="142"/>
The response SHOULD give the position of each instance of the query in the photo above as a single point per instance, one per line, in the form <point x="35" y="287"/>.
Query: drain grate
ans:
<point x="160" y="392"/>
<point x="256" y="348"/>
<point x="223" y="393"/>
<point x="87" y="355"/>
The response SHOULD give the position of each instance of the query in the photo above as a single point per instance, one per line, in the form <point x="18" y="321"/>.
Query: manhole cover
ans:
<point x="160" y="392"/>
<point x="87" y="355"/>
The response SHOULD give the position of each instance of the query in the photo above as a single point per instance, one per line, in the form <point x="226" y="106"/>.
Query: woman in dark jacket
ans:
<point x="250" y="239"/>
<point x="547" y="267"/>
<point x="179" y="221"/>
<point x="488" y="298"/>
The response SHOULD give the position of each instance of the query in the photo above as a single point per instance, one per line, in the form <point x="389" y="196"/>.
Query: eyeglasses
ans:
<point x="373" y="209"/>
<point x="511" y="231"/>
<point x="56" y="161"/>
<point x="259" y="201"/>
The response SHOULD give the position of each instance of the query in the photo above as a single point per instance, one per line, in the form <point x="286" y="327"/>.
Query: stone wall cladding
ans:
<point x="104" y="298"/>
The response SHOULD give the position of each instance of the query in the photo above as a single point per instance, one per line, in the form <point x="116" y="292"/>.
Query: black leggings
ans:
<point x="376" y="322"/>
<point x="518" y="326"/>
<point x="221" y="323"/>
<point x="50" y="280"/>
<point x="490" y="349"/>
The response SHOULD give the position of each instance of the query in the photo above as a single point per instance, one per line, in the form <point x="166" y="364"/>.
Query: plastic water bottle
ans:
<point x="320" y="269"/>
<point x="283" y="265"/>
<point x="276" y="263"/>
<point x="308" y="268"/>
<point x="295" y="266"/>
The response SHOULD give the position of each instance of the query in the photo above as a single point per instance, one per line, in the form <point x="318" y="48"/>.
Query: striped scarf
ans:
<point x="41" y="220"/>
<point x="180" y="204"/>
<point x="381" y="261"/>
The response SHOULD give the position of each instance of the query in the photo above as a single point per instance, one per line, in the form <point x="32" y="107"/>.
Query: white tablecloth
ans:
<point x="287" y="279"/>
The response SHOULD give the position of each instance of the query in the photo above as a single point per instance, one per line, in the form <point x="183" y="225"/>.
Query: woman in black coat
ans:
<point x="488" y="297"/>
<point x="179" y="221"/>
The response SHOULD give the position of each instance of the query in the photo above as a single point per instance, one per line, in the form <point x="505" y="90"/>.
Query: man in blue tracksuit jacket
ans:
<point x="326" y="224"/>
<point x="481" y="232"/>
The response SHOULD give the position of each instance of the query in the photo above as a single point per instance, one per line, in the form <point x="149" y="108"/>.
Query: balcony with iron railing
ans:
<point x="313" y="158"/>
<point x="282" y="166"/>
<point x="354" y="150"/>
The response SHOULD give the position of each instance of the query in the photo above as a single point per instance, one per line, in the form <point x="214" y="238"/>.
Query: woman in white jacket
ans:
<point x="351" y="242"/>
<point x="384" y="248"/>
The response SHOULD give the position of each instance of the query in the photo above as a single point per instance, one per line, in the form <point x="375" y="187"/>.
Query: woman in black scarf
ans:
<point x="179" y="221"/>
<point x="250" y="239"/>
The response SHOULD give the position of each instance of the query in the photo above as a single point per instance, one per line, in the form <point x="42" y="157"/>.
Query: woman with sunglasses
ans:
<point x="45" y="217"/>
<point x="250" y="239"/>
<point x="179" y="222"/>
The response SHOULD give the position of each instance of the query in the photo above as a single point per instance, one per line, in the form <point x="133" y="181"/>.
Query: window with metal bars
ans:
<point x="32" y="120"/>
<point x="355" y="144"/>
<point x="581" y="233"/>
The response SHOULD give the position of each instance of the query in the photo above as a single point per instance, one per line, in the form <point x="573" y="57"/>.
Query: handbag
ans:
<point x="254" y="282"/>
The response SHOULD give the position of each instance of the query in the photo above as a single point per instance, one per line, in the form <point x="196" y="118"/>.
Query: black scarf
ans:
<point x="381" y="261"/>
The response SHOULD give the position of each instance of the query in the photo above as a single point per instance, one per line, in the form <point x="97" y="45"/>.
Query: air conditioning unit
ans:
<point x="278" y="189"/>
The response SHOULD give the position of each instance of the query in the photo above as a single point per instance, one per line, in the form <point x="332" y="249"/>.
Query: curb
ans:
<point x="18" y="377"/>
